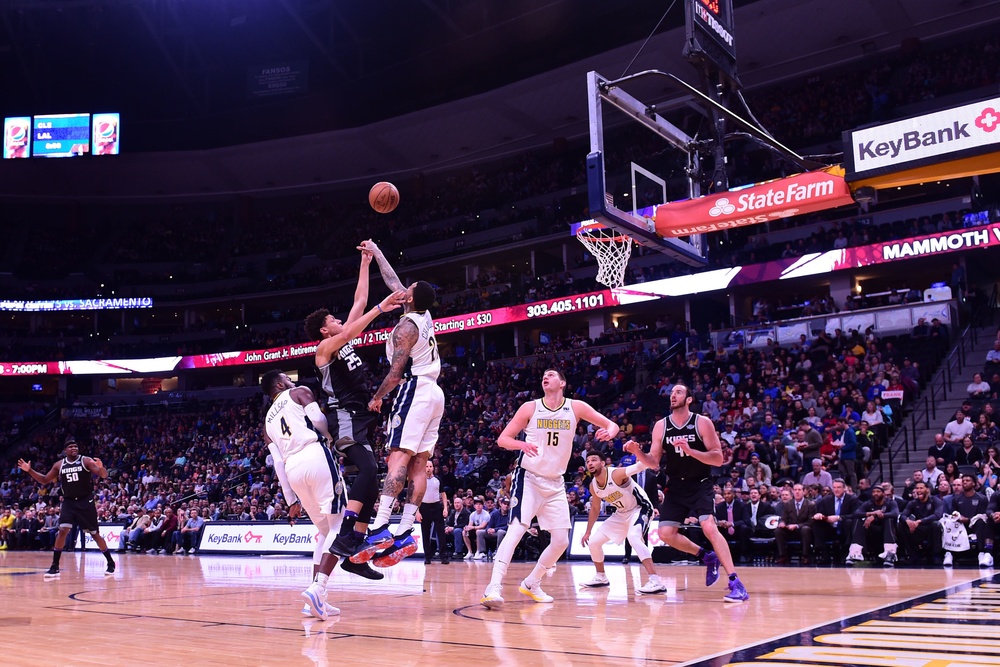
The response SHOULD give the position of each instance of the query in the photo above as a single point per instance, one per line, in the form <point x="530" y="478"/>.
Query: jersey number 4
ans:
<point x="284" y="428"/>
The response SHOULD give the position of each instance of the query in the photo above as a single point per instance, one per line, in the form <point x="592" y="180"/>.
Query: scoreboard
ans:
<point x="710" y="34"/>
<point x="60" y="135"/>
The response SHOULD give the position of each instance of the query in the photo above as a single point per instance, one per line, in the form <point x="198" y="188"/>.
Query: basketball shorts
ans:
<point x="353" y="423"/>
<point x="532" y="496"/>
<point x="315" y="478"/>
<point x="632" y="525"/>
<point x="82" y="513"/>
<point x="683" y="498"/>
<point x="416" y="416"/>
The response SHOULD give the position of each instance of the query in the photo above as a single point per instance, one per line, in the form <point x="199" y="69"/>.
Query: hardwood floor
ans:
<point x="218" y="610"/>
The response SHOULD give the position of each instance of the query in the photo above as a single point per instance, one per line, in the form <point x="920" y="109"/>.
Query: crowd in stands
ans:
<point x="800" y="415"/>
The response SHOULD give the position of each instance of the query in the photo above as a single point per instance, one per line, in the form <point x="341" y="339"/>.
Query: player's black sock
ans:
<point x="701" y="554"/>
<point x="56" y="555"/>
<point x="107" y="556"/>
<point x="347" y="526"/>
<point x="733" y="577"/>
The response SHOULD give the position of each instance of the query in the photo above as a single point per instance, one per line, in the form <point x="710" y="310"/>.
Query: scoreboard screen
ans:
<point x="60" y="135"/>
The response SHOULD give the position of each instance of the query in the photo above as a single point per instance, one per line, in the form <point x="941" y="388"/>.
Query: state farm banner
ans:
<point x="953" y="133"/>
<point x="753" y="205"/>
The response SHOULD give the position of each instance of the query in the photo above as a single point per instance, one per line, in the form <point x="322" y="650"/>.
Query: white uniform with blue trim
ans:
<point x="538" y="489"/>
<point x="312" y="472"/>
<point x="419" y="405"/>
<point x="633" y="511"/>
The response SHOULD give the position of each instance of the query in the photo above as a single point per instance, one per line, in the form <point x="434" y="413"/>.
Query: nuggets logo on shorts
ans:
<point x="339" y="489"/>
<point x="513" y="502"/>
<point x="396" y="421"/>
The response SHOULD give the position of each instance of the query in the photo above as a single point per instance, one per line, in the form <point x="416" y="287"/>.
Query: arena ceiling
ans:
<point x="393" y="87"/>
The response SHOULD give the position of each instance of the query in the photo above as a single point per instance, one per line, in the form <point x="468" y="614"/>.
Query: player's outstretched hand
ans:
<point x="393" y="301"/>
<point x="366" y="259"/>
<point x="603" y="434"/>
<point x="375" y="405"/>
<point x="368" y="246"/>
<point x="98" y="463"/>
<point x="24" y="465"/>
<point x="632" y="447"/>
<point x="529" y="448"/>
<point x="294" y="510"/>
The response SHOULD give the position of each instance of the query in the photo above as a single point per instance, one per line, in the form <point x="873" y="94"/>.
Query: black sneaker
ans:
<point x="53" y="573"/>
<point x="111" y="569"/>
<point x="346" y="546"/>
<point x="362" y="570"/>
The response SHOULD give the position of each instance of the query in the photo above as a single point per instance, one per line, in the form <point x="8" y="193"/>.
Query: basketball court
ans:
<point x="223" y="610"/>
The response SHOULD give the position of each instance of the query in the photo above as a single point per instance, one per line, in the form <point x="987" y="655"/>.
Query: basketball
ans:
<point x="383" y="197"/>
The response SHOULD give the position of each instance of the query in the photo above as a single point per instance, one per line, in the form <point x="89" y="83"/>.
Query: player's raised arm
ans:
<point x="37" y="476"/>
<point x="361" y="292"/>
<point x="392" y="281"/>
<point x="353" y="329"/>
<point x="304" y="397"/>
<point x="620" y="475"/>
<point x="404" y="337"/>
<point x="508" y="438"/>
<point x="606" y="429"/>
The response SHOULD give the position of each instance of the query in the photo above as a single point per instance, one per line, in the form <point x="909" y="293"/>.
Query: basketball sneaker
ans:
<point x="377" y="540"/>
<point x="948" y="559"/>
<point x="600" y="579"/>
<point x="985" y="559"/>
<point x="402" y="547"/>
<point x="491" y="598"/>
<point x="346" y="546"/>
<point x="654" y="585"/>
<point x="53" y="573"/>
<point x="111" y="569"/>
<point x="314" y="596"/>
<point x="535" y="592"/>
<point x="711" y="562"/>
<point x="737" y="592"/>
<point x="855" y="554"/>
<point x="361" y="569"/>
<point x="330" y="610"/>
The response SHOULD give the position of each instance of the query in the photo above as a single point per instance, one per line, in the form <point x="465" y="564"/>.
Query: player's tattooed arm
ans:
<point x="404" y="337"/>
<point x="389" y="276"/>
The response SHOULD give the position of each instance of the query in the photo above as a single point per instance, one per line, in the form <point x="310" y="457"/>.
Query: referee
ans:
<point x="433" y="512"/>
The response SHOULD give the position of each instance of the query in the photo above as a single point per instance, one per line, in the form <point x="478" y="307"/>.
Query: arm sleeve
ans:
<point x="279" y="470"/>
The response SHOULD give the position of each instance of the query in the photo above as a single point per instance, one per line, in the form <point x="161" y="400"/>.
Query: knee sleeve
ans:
<point x="365" y="488"/>
<point x="322" y="524"/>
<point x="596" y="546"/>
<point x="557" y="545"/>
<point x="507" y="546"/>
<point x="638" y="543"/>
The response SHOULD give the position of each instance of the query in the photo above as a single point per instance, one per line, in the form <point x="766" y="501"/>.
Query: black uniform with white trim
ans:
<point x="346" y="383"/>
<point x="77" y="485"/>
<point x="689" y="487"/>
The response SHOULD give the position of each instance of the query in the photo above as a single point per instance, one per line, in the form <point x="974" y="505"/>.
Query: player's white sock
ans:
<point x="409" y="514"/>
<point x="321" y="579"/>
<point x="499" y="572"/>
<point x="384" y="510"/>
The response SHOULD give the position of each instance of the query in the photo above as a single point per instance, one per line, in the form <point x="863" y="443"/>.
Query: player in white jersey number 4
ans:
<point x="631" y="518"/>
<point x="549" y="424"/>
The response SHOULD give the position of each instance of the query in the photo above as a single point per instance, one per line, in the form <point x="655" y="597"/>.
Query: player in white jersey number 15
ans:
<point x="549" y="424"/>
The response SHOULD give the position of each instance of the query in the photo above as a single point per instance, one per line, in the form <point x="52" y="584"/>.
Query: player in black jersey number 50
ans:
<point x="75" y="475"/>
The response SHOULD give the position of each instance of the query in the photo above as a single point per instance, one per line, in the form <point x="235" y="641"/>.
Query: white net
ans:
<point x="612" y="250"/>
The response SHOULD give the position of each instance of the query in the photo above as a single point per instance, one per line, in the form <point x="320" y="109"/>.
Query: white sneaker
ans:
<point x="600" y="579"/>
<point x="948" y="559"/>
<point x="314" y="596"/>
<point x="535" y="592"/>
<point x="855" y="554"/>
<point x="479" y="556"/>
<point x="985" y="559"/>
<point x="469" y="556"/>
<point x="654" y="585"/>
<point x="491" y="598"/>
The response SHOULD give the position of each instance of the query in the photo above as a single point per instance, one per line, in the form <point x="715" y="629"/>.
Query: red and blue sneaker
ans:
<point x="402" y="547"/>
<point x="376" y="540"/>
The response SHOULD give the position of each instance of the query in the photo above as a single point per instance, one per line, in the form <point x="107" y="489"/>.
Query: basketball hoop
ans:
<point x="612" y="250"/>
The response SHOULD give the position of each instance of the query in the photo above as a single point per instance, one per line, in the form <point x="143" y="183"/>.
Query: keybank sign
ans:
<point x="901" y="144"/>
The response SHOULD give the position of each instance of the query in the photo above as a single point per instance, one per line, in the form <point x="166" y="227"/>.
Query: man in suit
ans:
<point x="754" y="513"/>
<point x="832" y="520"/>
<point x="795" y="520"/>
<point x="730" y="515"/>
<point x="875" y="529"/>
